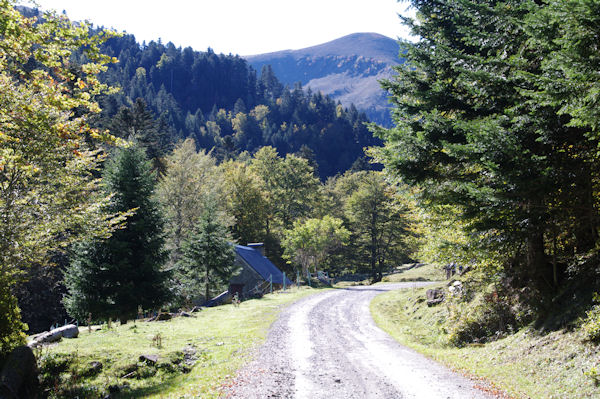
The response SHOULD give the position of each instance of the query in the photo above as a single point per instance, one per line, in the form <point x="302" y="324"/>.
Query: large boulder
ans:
<point x="19" y="376"/>
<point x="67" y="331"/>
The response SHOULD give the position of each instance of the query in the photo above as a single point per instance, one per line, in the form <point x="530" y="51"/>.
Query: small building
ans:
<point x="256" y="271"/>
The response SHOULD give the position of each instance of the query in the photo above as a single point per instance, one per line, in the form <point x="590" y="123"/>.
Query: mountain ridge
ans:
<point x="348" y="69"/>
<point x="374" y="45"/>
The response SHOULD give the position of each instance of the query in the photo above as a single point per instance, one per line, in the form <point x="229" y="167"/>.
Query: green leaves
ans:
<point x="310" y="241"/>
<point x="492" y="108"/>
<point x="114" y="276"/>
<point x="208" y="255"/>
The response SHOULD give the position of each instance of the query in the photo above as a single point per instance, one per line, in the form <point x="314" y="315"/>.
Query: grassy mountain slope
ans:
<point x="348" y="69"/>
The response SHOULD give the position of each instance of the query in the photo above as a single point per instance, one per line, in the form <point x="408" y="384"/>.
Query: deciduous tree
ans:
<point x="48" y="195"/>
<point x="309" y="242"/>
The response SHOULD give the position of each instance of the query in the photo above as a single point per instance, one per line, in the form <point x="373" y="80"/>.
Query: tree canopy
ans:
<point x="488" y="121"/>
<point x="49" y="197"/>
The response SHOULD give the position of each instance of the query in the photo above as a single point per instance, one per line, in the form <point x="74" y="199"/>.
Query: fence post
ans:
<point x="271" y="284"/>
<point x="308" y="277"/>
<point x="284" y="281"/>
<point x="298" y="278"/>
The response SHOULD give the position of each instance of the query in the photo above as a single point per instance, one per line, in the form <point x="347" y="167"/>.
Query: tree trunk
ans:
<point x="374" y="246"/>
<point x="536" y="259"/>
<point x="206" y="285"/>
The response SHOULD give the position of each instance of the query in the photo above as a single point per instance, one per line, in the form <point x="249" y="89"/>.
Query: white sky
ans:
<point x="243" y="27"/>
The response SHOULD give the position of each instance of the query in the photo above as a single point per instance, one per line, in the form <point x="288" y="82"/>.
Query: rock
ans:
<point x="94" y="368"/>
<point x="189" y="355"/>
<point x="196" y="309"/>
<point x="185" y="314"/>
<point x="434" y="296"/>
<point x="68" y="331"/>
<point x="164" y="316"/>
<point x="151" y="359"/>
<point x="456" y="288"/>
<point x="19" y="376"/>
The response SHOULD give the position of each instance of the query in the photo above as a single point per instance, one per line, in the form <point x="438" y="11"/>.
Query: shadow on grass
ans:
<point x="164" y="386"/>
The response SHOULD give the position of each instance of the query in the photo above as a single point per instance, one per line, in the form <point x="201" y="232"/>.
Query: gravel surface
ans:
<point x="327" y="346"/>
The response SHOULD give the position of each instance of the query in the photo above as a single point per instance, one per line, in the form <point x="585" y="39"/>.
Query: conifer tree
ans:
<point x="112" y="278"/>
<point x="472" y="133"/>
<point x="208" y="256"/>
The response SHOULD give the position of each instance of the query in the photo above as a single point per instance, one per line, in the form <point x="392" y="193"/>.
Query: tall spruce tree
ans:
<point x="208" y="256"/>
<point x="112" y="278"/>
<point x="470" y="133"/>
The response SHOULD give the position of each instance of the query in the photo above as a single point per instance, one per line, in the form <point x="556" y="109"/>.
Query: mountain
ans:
<point x="347" y="69"/>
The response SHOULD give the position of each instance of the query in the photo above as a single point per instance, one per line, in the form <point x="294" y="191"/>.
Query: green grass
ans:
<point x="527" y="364"/>
<point x="427" y="272"/>
<point x="223" y="337"/>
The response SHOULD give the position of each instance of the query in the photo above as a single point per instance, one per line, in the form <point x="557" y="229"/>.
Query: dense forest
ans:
<point x="135" y="153"/>
<point x="221" y="102"/>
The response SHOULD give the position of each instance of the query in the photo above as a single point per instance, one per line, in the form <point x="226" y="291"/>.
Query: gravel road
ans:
<point x="327" y="346"/>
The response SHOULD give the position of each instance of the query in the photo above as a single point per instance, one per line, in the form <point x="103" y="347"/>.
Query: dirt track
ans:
<point x="327" y="346"/>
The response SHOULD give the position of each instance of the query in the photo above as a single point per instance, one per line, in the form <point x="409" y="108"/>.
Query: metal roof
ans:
<point x="263" y="266"/>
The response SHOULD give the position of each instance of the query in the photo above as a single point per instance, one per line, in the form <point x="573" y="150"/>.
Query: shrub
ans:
<point x="489" y="315"/>
<point x="591" y="324"/>
<point x="11" y="327"/>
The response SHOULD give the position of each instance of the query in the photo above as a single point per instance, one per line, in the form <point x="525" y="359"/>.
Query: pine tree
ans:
<point x="138" y="123"/>
<point x="208" y="255"/>
<point x="112" y="278"/>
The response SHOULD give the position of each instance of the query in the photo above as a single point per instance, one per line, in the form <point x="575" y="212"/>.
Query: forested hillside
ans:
<point x="223" y="103"/>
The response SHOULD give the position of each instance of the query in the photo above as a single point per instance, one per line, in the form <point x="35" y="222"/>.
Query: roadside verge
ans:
<point x="527" y="364"/>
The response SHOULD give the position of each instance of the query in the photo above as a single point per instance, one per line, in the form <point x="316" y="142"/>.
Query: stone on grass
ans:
<point x="455" y="288"/>
<point x="67" y="331"/>
<point x="150" y="359"/>
<point x="164" y="316"/>
<point x="434" y="296"/>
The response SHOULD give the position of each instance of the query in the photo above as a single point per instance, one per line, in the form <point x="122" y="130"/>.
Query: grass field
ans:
<point x="527" y="364"/>
<point x="422" y="272"/>
<point x="219" y="340"/>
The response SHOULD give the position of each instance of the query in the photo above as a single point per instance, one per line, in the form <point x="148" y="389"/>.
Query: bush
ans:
<point x="11" y="327"/>
<point x="591" y="324"/>
<point x="489" y="315"/>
